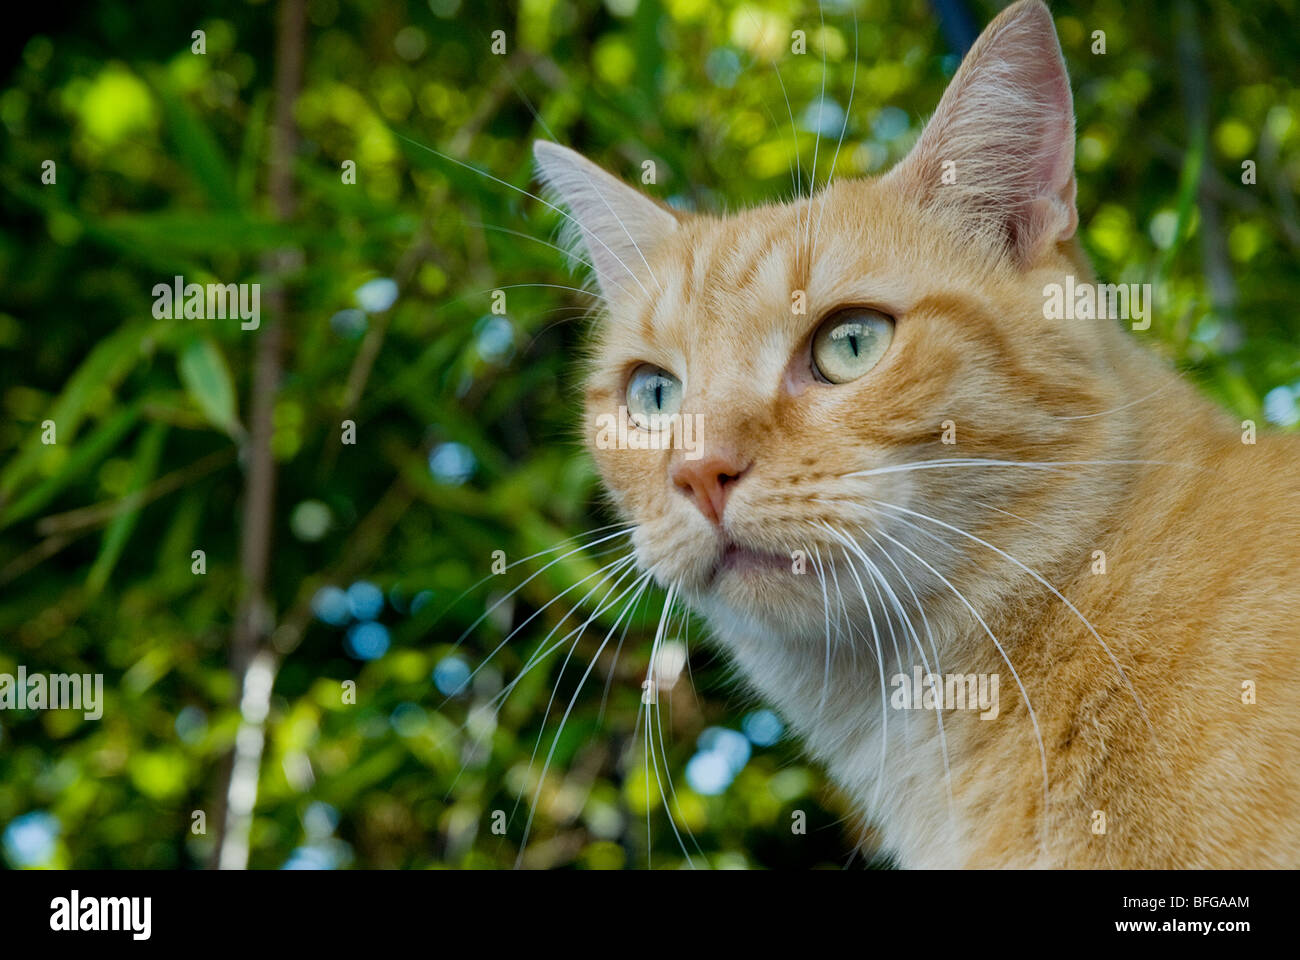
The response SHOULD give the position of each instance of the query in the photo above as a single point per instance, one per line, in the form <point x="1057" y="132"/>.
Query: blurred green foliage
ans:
<point x="464" y="419"/>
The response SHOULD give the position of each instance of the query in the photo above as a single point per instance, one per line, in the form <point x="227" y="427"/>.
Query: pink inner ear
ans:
<point x="1006" y="125"/>
<point x="615" y="224"/>
<point x="1049" y="185"/>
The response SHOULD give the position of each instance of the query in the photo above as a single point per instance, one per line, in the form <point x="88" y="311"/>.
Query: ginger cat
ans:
<point x="905" y="468"/>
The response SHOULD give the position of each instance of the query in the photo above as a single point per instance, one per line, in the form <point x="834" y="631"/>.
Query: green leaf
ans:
<point x="110" y="360"/>
<point x="196" y="146"/>
<point x="148" y="452"/>
<point x="251" y="156"/>
<point x="207" y="379"/>
<point x="85" y="453"/>
<point x="188" y="232"/>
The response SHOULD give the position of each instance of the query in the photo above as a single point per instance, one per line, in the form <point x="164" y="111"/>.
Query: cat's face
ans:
<point x="946" y="339"/>
<point x="819" y="346"/>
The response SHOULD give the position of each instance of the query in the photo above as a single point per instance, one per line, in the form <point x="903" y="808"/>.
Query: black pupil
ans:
<point x="854" y="332"/>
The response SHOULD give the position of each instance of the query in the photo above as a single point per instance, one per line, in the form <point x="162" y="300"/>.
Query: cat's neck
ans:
<point x="1018" y="618"/>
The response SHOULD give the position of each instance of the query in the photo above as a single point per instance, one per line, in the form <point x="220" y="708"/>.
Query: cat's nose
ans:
<point x="709" y="480"/>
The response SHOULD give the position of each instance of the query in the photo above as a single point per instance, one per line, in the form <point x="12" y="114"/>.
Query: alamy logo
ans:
<point x="216" y="301"/>
<point x="58" y="691"/>
<point x="951" y="691"/>
<point x="133" y="914"/>
<point x="656" y="431"/>
<point x="1098" y="301"/>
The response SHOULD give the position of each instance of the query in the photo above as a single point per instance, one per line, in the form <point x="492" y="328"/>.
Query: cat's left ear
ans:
<point x="997" y="157"/>
<point x="617" y="224"/>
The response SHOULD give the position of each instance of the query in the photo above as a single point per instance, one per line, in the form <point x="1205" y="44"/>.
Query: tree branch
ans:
<point x="254" y="665"/>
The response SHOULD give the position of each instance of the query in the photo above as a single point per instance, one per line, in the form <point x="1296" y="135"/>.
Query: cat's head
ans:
<point x="818" y="346"/>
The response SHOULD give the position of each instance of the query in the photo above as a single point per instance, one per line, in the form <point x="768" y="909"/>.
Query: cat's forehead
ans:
<point x="729" y="299"/>
<point x="775" y="265"/>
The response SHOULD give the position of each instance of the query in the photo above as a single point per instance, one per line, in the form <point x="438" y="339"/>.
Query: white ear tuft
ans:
<point x="617" y="225"/>
<point x="998" y="154"/>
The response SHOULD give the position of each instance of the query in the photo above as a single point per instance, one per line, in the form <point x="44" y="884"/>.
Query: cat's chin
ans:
<point x="761" y="588"/>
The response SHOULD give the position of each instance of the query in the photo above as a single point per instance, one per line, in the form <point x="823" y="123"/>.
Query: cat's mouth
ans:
<point x="740" y="560"/>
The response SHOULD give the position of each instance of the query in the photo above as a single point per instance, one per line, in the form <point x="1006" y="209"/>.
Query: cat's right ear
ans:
<point x="997" y="157"/>
<point x="617" y="225"/>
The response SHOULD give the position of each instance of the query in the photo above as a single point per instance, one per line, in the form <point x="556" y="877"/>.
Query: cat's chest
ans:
<point x="898" y="766"/>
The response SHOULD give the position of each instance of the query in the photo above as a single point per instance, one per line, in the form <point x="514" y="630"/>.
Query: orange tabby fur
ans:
<point x="1200" y="531"/>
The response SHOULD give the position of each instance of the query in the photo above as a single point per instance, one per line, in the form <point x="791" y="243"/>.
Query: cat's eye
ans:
<point x="652" y="392"/>
<point x="850" y="342"/>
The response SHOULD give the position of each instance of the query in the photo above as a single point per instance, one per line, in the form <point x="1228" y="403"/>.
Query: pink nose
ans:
<point x="709" y="480"/>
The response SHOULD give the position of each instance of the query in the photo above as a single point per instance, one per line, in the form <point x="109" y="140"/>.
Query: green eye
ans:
<point x="850" y="342"/>
<point x="652" y="391"/>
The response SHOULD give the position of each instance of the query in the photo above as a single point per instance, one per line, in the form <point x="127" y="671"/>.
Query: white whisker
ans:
<point x="884" y="690"/>
<point x="532" y="810"/>
<point x="879" y="575"/>
<point x="826" y="677"/>
<point x="821" y="107"/>
<point x="526" y="193"/>
<point x="486" y="613"/>
<point x="1033" y="464"/>
<point x="1033" y="718"/>
<point x="844" y="126"/>
<point x="1057" y="593"/>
